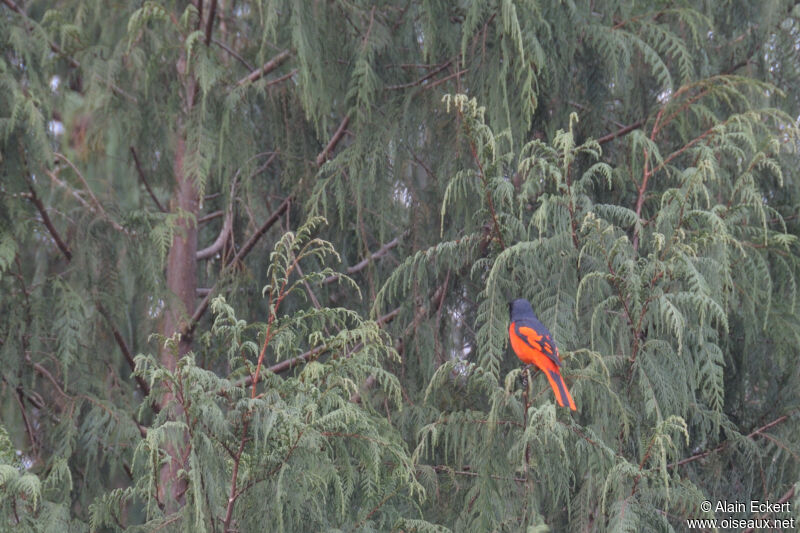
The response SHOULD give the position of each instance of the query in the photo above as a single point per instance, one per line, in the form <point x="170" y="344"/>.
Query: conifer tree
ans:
<point x="255" y="259"/>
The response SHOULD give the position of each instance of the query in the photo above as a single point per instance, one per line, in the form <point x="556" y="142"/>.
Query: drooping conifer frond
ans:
<point x="628" y="167"/>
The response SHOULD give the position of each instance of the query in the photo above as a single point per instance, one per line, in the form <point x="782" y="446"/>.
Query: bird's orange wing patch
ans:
<point x="532" y="338"/>
<point x="528" y="344"/>
<point x="532" y="334"/>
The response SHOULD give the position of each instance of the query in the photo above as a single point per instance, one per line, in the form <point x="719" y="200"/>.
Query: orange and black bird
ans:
<point x="534" y="344"/>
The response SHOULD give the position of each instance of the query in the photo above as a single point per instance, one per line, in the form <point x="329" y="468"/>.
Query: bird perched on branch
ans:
<point x="534" y="344"/>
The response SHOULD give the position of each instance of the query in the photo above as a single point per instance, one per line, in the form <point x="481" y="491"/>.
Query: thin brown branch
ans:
<point x="624" y="302"/>
<point x="636" y="18"/>
<point x="422" y="79"/>
<point x="446" y="78"/>
<point x="248" y="245"/>
<point x="210" y="216"/>
<point x="53" y="46"/>
<point x="33" y="398"/>
<point x="28" y="428"/>
<point x="284" y="366"/>
<point x="263" y="167"/>
<point x="337" y="136"/>
<point x="72" y="192"/>
<point x="661" y="124"/>
<point x="199" y="5"/>
<point x="46" y="373"/>
<point x="212" y="12"/>
<point x="369" y="29"/>
<point x="243" y="251"/>
<point x="620" y="132"/>
<point x="68" y="255"/>
<point x="465" y="471"/>
<point x="97" y="204"/>
<point x="724" y="445"/>
<point x="358" y="436"/>
<point x="782" y="445"/>
<point x="788" y="495"/>
<point x="309" y="291"/>
<point x="376" y="509"/>
<point x="361" y="265"/>
<point x="307" y="287"/>
<point x="485" y="182"/>
<point x="272" y="472"/>
<point x="142" y="429"/>
<point x="234" y="476"/>
<point x="273" y="313"/>
<point x="117" y="89"/>
<point x="648" y="173"/>
<point x="685" y="147"/>
<point x="224" y="233"/>
<point x="49" y="224"/>
<point x="233" y="54"/>
<point x="281" y="78"/>
<point x="123" y="346"/>
<point x="142" y="178"/>
<point x="571" y="207"/>
<point x="265" y="69"/>
<point x="173" y="517"/>
<point x="289" y="364"/>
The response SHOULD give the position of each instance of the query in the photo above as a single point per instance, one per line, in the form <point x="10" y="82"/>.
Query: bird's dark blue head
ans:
<point x="521" y="308"/>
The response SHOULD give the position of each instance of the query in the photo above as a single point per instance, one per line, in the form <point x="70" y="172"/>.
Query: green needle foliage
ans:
<point x="649" y="308"/>
<point x="251" y="454"/>
<point x="256" y="258"/>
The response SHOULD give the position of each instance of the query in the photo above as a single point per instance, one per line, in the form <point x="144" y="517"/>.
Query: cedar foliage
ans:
<point x="381" y="178"/>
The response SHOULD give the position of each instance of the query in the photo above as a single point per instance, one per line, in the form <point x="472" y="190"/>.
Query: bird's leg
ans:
<point x="526" y="374"/>
<point x="525" y="398"/>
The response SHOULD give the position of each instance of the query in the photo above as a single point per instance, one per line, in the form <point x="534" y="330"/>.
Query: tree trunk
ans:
<point x="181" y="276"/>
<point x="181" y="261"/>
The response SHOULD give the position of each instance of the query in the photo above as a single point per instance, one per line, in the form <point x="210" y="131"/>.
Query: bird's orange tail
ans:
<point x="560" y="389"/>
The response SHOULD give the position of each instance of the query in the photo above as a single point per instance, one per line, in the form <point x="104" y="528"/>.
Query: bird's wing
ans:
<point x="538" y="340"/>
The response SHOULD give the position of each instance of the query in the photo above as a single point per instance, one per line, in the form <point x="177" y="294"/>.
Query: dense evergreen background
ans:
<point x="255" y="258"/>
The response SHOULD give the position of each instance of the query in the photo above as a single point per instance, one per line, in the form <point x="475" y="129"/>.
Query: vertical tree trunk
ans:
<point x="181" y="260"/>
<point x="181" y="276"/>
